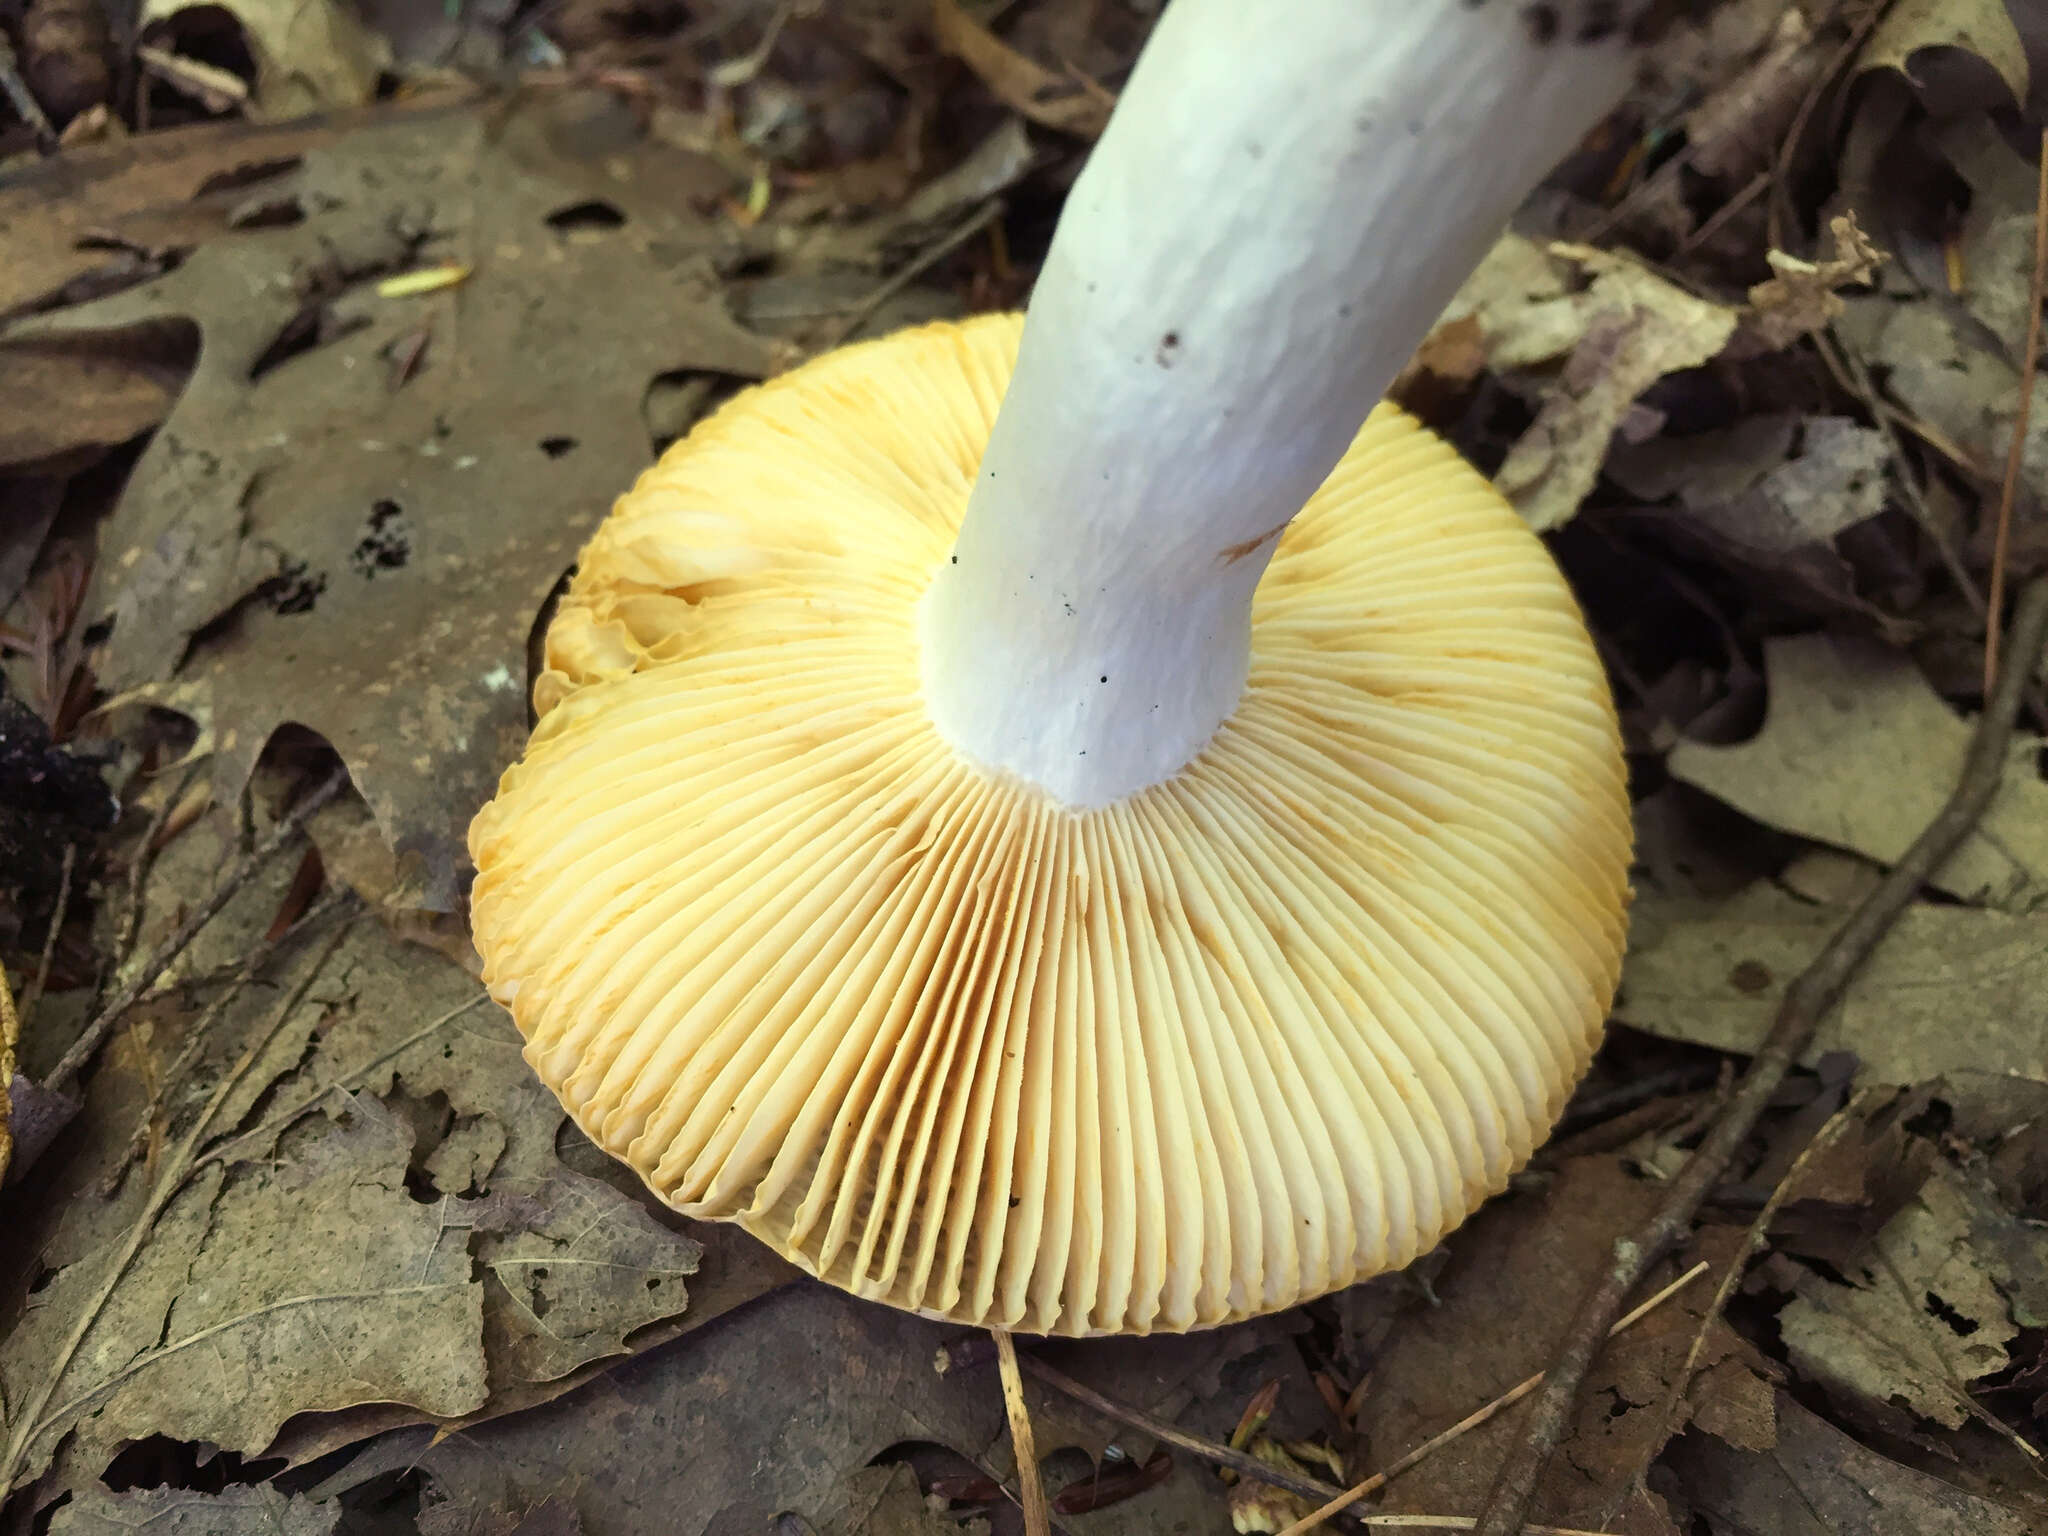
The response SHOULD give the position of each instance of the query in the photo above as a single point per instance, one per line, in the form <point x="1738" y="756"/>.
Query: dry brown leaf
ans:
<point x="80" y="397"/>
<point x="1620" y="327"/>
<point x="1637" y="327"/>
<point x="394" y="1227"/>
<point x="1818" y="1481"/>
<point x="1859" y="752"/>
<point x="311" y="55"/>
<point x="235" y="1511"/>
<point x="1981" y="27"/>
<point x="379" y="553"/>
<point x="1528" y="309"/>
<point x="1951" y="990"/>
<point x="1737" y="128"/>
<point x="1516" y="1271"/>
<point x="95" y="219"/>
<point x="864" y="1377"/>
<point x="1069" y="102"/>
<point x="1802" y="297"/>
<point x="1923" y="1314"/>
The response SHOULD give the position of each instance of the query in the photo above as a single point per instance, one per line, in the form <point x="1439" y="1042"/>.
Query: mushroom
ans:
<point x="1052" y="823"/>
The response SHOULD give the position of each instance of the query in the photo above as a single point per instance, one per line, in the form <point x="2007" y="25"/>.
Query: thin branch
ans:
<point x="2016" y="453"/>
<point x="23" y="100"/>
<point x="83" y="1049"/>
<point x="145" y="856"/>
<point x="1037" y="1518"/>
<point x="29" y="1419"/>
<point x="1806" y="1002"/>
<point x="1472" y="1421"/>
<point x="1159" y="1429"/>
<point x="911" y="271"/>
<point x="1738" y="1266"/>
<point x="34" y="994"/>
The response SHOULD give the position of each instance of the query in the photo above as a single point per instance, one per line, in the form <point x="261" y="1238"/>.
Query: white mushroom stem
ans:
<point x="1284" y="201"/>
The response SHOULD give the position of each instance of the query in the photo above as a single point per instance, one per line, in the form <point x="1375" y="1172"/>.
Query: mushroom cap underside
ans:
<point x="1265" y="1029"/>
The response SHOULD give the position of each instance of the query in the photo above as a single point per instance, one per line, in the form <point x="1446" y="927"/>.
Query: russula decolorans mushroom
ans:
<point x="1052" y="823"/>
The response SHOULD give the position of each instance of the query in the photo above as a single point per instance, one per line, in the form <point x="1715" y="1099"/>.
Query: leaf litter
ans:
<point x="318" y="1239"/>
<point x="298" y="502"/>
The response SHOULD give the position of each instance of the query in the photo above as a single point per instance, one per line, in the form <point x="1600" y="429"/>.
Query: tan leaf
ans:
<point x="1981" y="27"/>
<point x="1639" y="327"/>
<point x="1859" y="752"/>
<point x="383" y="543"/>
<point x="311" y="55"/>
<point x="1922" y="1316"/>
<point x="1951" y="990"/>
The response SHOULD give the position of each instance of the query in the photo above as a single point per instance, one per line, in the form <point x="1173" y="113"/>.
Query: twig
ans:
<point x="2016" y="453"/>
<point x="34" y="994"/>
<point x="911" y="271"/>
<point x="1850" y="373"/>
<point x="1781" y="167"/>
<point x="1806" y="1002"/>
<point x="31" y="1420"/>
<point x="23" y="100"/>
<point x="1721" y="215"/>
<point x="145" y="856"/>
<point x="96" y="1032"/>
<point x="1159" y="1429"/>
<point x="1738" y="1266"/>
<point x="1037" y="1518"/>
<point x="1472" y="1421"/>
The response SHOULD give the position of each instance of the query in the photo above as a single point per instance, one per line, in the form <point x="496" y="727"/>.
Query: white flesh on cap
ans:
<point x="1284" y="201"/>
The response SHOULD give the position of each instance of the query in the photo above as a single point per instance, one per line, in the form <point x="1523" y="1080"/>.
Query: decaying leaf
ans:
<point x="61" y="399"/>
<point x="1620" y="327"/>
<point x="257" y="1510"/>
<point x="1995" y="244"/>
<point x="1923" y="1315"/>
<point x="1765" y="498"/>
<point x="1736" y="130"/>
<point x="1638" y="328"/>
<point x="1817" y="1481"/>
<point x="387" y="1222"/>
<point x="1516" y="1271"/>
<point x="1801" y="296"/>
<point x="1951" y="990"/>
<point x="1981" y="27"/>
<point x="779" y="1406"/>
<point x="378" y="554"/>
<point x="311" y="55"/>
<point x="1857" y="751"/>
